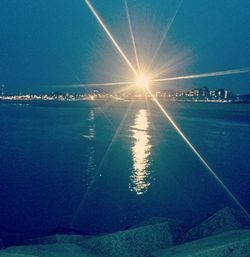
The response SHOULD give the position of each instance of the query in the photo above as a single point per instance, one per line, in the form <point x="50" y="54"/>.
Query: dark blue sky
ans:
<point x="53" y="42"/>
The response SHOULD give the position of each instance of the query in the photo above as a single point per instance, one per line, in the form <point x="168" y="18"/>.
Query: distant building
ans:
<point x="198" y="93"/>
<point x="221" y="93"/>
<point x="189" y="93"/>
<point x="203" y="92"/>
<point x="170" y="93"/>
<point x="212" y="93"/>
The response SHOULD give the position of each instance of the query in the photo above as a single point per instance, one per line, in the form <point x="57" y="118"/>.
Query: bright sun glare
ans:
<point x="142" y="81"/>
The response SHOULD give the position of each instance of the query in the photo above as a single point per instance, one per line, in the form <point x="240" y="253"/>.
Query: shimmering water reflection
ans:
<point x="91" y="165"/>
<point x="141" y="152"/>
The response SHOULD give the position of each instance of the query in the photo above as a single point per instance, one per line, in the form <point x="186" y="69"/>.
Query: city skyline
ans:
<point x="202" y="94"/>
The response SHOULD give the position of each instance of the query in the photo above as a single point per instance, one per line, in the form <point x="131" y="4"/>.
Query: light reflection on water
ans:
<point x="91" y="166"/>
<point x="141" y="152"/>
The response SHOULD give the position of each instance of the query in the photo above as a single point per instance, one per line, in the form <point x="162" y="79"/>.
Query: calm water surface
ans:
<point x="102" y="167"/>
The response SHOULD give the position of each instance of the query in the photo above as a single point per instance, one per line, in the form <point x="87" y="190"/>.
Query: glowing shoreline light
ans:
<point x="143" y="81"/>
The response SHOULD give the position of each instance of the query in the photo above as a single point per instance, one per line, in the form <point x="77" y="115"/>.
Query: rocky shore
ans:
<point x="224" y="234"/>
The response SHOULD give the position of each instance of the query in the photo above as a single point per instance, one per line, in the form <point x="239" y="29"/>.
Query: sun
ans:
<point x="142" y="81"/>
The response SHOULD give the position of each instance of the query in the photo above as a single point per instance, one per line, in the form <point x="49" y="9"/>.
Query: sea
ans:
<point x="102" y="166"/>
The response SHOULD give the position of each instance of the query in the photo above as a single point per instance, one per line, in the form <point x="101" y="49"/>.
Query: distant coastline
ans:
<point x="27" y="101"/>
<point x="196" y="95"/>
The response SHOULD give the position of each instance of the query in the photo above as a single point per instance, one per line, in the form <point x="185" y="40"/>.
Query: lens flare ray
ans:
<point x="169" y="118"/>
<point x="195" y="76"/>
<point x="205" y="75"/>
<point x="164" y="36"/>
<point x="110" y="35"/>
<point x="98" y="84"/>
<point x="132" y="35"/>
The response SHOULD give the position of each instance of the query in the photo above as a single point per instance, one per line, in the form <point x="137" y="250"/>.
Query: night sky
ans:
<point x="58" y="42"/>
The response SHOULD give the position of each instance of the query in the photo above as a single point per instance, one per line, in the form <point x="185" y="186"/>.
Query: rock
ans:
<point x="56" y="239"/>
<point x="224" y="220"/>
<point x="177" y="227"/>
<point x="51" y="250"/>
<point x="133" y="242"/>
<point x="228" y="244"/>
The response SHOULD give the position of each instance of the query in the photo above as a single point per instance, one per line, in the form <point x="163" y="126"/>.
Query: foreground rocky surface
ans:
<point x="50" y="250"/>
<point x="136" y="241"/>
<point x="224" y="220"/>
<point x="219" y="236"/>
<point x="228" y="244"/>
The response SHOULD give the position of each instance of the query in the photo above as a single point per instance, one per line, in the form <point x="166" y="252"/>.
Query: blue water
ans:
<point x="101" y="167"/>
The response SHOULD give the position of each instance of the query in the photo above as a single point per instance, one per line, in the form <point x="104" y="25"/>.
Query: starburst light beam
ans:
<point x="108" y="84"/>
<point x="165" y="33"/>
<point x="205" y="75"/>
<point x="124" y="83"/>
<point x="110" y="35"/>
<point x="132" y="35"/>
<point x="195" y="76"/>
<point x="226" y="189"/>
